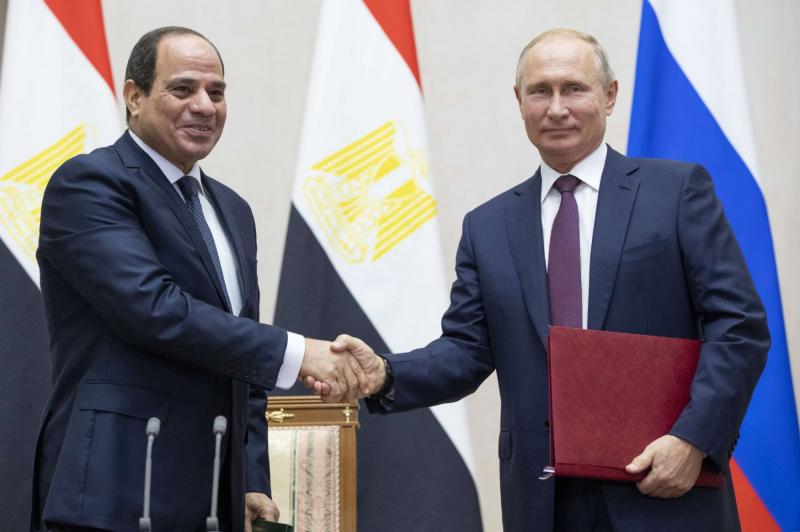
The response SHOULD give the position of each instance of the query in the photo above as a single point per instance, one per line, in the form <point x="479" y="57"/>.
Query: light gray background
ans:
<point x="467" y="52"/>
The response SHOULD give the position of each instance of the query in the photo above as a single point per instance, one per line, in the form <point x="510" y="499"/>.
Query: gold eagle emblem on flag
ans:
<point x="369" y="196"/>
<point x="22" y="188"/>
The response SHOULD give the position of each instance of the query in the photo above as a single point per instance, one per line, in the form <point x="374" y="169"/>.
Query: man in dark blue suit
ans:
<point x="598" y="240"/>
<point x="148" y="273"/>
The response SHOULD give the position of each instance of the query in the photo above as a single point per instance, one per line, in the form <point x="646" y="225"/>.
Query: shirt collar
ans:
<point x="172" y="172"/>
<point x="589" y="170"/>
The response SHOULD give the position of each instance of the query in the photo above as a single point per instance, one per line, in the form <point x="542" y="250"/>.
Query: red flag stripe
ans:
<point x="753" y="514"/>
<point x="394" y="16"/>
<point x="83" y="21"/>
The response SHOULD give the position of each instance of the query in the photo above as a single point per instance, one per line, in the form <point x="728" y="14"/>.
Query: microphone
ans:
<point x="153" y="427"/>
<point x="220" y="426"/>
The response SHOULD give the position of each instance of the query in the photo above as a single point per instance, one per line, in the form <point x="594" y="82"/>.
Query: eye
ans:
<point x="182" y="90"/>
<point x="216" y="95"/>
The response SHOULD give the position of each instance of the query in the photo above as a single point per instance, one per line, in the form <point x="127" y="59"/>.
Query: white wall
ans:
<point x="467" y="52"/>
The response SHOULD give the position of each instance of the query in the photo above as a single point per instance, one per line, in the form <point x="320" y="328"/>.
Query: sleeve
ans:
<point x="257" y="443"/>
<point x="454" y="365"/>
<point x="732" y="322"/>
<point x="92" y="235"/>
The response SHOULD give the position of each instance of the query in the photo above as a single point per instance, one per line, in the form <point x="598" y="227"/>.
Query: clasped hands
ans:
<point x="342" y="370"/>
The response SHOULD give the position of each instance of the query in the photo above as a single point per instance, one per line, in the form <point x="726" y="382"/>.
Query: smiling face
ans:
<point x="183" y="115"/>
<point x="563" y="100"/>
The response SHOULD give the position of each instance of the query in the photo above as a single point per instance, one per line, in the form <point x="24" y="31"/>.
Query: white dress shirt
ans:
<point x="295" y="346"/>
<point x="589" y="171"/>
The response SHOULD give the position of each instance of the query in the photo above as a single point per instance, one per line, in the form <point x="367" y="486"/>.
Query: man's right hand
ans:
<point x="337" y="377"/>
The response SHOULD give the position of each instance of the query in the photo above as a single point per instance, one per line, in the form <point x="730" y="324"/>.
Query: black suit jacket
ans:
<point x="138" y="328"/>
<point x="664" y="262"/>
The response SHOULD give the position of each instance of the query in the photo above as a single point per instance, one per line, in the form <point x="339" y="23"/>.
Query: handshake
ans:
<point x="342" y="370"/>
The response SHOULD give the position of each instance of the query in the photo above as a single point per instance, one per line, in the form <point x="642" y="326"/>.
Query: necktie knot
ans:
<point x="189" y="186"/>
<point x="566" y="183"/>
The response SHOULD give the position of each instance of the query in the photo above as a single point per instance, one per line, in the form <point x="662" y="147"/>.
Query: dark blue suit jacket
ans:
<point x="664" y="262"/>
<point x="138" y="328"/>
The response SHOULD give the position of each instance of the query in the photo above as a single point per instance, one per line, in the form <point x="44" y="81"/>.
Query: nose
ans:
<point x="556" y="109"/>
<point x="202" y="104"/>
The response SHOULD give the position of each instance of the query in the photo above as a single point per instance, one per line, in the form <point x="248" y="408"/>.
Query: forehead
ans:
<point x="560" y="56"/>
<point x="184" y="54"/>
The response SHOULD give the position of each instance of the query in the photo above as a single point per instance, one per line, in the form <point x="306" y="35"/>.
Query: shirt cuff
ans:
<point x="292" y="359"/>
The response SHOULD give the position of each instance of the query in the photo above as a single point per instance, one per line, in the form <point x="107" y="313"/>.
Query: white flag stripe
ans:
<point x="362" y="165"/>
<point x="699" y="34"/>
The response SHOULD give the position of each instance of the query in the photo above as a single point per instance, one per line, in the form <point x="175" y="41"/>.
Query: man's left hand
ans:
<point x="258" y="506"/>
<point x="674" y="467"/>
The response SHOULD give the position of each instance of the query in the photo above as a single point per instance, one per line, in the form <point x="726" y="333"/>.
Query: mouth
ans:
<point x="198" y="130"/>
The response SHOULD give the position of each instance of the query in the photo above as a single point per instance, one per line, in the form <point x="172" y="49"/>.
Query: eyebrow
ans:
<point x="193" y="81"/>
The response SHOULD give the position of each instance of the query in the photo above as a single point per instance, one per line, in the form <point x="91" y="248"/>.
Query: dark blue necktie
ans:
<point x="190" y="189"/>
<point x="564" y="260"/>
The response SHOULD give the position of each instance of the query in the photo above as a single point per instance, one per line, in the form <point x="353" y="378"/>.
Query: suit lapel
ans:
<point x="138" y="161"/>
<point x="231" y="229"/>
<point x="524" y="224"/>
<point x="618" y="190"/>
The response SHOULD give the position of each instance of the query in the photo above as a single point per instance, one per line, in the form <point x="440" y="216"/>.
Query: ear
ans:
<point x="519" y="100"/>
<point x="132" y="95"/>
<point x="611" y="97"/>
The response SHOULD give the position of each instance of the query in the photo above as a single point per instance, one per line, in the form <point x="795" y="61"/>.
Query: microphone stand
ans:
<point x="152" y="429"/>
<point x="220" y="426"/>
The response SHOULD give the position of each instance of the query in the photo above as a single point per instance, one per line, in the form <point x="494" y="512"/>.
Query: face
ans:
<point x="562" y="100"/>
<point x="183" y="116"/>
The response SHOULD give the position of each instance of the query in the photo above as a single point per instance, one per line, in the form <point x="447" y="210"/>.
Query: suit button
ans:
<point x="547" y="423"/>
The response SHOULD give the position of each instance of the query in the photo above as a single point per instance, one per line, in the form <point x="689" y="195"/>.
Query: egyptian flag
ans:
<point x="690" y="104"/>
<point x="56" y="101"/>
<point x="363" y="255"/>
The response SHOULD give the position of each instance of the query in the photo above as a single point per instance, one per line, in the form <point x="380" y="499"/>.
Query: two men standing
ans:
<point x="148" y="274"/>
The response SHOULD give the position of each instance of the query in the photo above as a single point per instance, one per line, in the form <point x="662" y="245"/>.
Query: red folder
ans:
<point x="611" y="394"/>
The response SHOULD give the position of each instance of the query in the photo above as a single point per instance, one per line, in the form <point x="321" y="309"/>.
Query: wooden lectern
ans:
<point x="312" y="454"/>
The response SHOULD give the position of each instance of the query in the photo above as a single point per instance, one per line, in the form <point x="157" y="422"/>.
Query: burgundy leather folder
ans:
<point x="611" y="394"/>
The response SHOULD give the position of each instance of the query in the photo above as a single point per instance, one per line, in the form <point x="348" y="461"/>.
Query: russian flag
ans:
<point x="56" y="101"/>
<point x="690" y="104"/>
<point x="363" y="255"/>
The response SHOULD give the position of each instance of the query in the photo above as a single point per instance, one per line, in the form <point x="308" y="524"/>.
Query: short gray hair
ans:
<point x="603" y="66"/>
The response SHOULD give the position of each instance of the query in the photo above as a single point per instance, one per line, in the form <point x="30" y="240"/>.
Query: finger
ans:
<point x="270" y="513"/>
<point x="248" y="520"/>
<point x="351" y="380"/>
<point x="309" y="382"/>
<point x="641" y="462"/>
<point x="648" y="485"/>
<point x="364" y="383"/>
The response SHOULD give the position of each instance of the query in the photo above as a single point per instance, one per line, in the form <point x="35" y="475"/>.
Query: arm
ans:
<point x="735" y="345"/>
<point x="93" y="236"/>
<point x="732" y="319"/>
<point x="445" y="370"/>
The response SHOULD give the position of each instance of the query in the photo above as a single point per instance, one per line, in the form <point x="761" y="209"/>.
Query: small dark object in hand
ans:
<point x="259" y="525"/>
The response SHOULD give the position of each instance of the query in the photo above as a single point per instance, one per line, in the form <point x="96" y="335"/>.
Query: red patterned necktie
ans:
<point x="564" y="262"/>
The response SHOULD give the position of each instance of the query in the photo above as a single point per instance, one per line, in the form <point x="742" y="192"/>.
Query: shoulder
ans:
<point x="497" y="205"/>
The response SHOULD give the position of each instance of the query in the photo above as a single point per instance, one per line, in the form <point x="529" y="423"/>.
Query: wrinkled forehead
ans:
<point x="561" y="54"/>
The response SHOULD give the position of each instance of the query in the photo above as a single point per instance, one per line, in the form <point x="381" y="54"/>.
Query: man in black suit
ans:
<point x="148" y="273"/>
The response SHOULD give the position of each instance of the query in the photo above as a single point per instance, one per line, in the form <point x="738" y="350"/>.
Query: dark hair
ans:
<point x="141" y="67"/>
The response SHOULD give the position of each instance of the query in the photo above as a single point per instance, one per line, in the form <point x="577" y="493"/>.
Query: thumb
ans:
<point x="344" y="342"/>
<point x="641" y="462"/>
